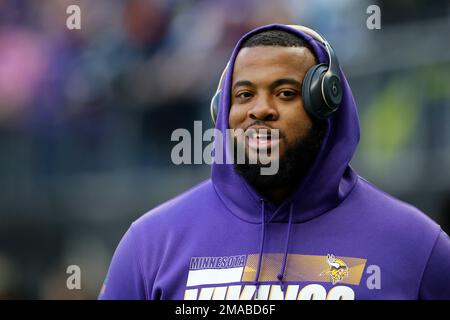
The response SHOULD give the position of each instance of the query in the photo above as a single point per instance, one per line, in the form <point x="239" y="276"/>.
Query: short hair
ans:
<point x="276" y="38"/>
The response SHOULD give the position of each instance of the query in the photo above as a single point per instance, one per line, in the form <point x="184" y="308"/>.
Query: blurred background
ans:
<point x="86" y="115"/>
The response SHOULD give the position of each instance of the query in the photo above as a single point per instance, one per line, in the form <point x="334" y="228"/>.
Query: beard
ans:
<point x="293" y="164"/>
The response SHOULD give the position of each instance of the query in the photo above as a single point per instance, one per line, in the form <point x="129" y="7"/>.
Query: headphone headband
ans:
<point x="323" y="41"/>
<point x="215" y="98"/>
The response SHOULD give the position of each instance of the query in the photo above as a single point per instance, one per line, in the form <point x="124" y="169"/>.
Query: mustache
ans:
<point x="263" y="124"/>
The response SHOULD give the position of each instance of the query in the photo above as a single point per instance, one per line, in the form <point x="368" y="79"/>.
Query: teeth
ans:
<point x="258" y="135"/>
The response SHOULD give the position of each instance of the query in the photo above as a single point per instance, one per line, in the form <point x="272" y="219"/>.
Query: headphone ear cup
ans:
<point x="214" y="108"/>
<point x="332" y="91"/>
<point x="312" y="92"/>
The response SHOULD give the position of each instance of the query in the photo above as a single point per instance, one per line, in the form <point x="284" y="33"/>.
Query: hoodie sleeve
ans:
<point x="124" y="280"/>
<point x="436" y="278"/>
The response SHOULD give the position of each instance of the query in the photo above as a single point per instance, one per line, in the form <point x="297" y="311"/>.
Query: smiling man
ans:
<point x="313" y="230"/>
<point x="266" y="94"/>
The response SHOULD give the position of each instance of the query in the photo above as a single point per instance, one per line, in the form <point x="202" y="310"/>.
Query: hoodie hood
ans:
<point x="328" y="181"/>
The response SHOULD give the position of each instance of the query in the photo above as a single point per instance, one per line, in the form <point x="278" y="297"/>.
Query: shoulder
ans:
<point x="178" y="209"/>
<point x="401" y="236"/>
<point x="401" y="229"/>
<point x="391" y="211"/>
<point x="167" y="227"/>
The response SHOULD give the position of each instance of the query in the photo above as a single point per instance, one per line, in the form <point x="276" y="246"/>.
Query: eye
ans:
<point x="244" y="95"/>
<point x="287" y="94"/>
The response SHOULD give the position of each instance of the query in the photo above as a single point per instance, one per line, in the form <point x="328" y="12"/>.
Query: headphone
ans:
<point x="321" y="89"/>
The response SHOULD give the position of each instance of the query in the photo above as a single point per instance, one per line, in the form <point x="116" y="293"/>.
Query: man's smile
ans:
<point x="258" y="138"/>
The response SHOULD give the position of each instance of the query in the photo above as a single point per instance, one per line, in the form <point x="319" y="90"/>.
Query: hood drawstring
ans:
<point x="280" y="275"/>
<point x="286" y="248"/>
<point x="261" y="246"/>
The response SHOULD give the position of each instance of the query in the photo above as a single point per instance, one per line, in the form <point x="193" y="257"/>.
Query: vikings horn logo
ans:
<point x="338" y="269"/>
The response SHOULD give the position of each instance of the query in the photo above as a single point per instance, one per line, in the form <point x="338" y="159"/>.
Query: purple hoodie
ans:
<point x="336" y="237"/>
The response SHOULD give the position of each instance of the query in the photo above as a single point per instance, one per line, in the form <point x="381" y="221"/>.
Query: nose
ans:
<point x="263" y="109"/>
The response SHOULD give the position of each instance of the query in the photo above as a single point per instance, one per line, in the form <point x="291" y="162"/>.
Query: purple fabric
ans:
<point x="203" y="243"/>
<point x="435" y="281"/>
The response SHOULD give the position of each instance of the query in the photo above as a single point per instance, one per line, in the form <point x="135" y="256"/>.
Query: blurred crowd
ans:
<point x="86" y="117"/>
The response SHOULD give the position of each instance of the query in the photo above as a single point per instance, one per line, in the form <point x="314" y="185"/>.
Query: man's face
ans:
<point x="266" y="94"/>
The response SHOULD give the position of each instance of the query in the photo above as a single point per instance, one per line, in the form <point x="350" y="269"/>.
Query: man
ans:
<point x="314" y="230"/>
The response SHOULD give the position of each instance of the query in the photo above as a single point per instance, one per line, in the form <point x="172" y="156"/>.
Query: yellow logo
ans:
<point x="338" y="269"/>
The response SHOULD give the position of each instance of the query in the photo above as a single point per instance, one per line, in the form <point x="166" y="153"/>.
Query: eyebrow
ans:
<point x="276" y="83"/>
<point x="243" y="83"/>
<point x="280" y="82"/>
